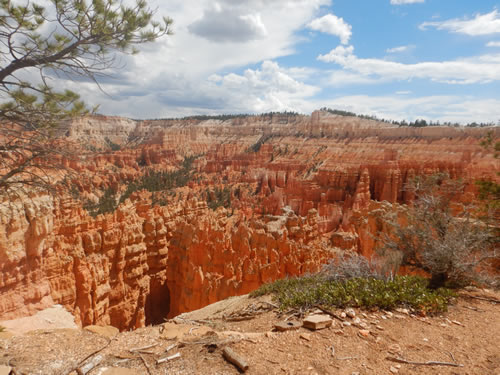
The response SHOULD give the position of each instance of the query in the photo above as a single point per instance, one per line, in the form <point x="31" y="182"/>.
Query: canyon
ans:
<point x="264" y="197"/>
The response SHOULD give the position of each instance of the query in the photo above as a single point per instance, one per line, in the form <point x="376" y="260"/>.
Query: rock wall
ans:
<point x="303" y="190"/>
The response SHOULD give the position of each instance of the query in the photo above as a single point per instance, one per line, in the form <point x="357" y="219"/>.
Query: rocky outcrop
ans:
<point x="302" y="190"/>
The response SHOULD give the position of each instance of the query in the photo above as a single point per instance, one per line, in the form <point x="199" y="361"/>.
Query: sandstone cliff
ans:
<point x="302" y="190"/>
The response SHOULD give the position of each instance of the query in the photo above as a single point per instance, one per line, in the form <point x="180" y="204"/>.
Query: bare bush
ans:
<point x="442" y="237"/>
<point x="350" y="267"/>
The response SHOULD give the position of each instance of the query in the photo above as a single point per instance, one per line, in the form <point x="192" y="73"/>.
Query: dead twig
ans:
<point x="428" y="363"/>
<point x="332" y="314"/>
<point x="492" y="300"/>
<point x="145" y="363"/>
<point x="271" y="304"/>
<point x="473" y="308"/>
<point x="240" y="318"/>
<point x="77" y="367"/>
<point x="142" y="348"/>
<point x="169" y="358"/>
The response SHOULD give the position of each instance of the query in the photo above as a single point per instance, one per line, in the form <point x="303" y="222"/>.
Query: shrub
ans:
<point x="349" y="267"/>
<point x="154" y="181"/>
<point x="219" y="198"/>
<point x="403" y="291"/>
<point x="107" y="203"/>
<point x="440" y="236"/>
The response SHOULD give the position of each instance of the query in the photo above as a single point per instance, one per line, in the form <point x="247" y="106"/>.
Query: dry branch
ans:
<point x="145" y="363"/>
<point x="169" y="358"/>
<point x="235" y="359"/>
<point x="78" y="367"/>
<point x="492" y="300"/>
<point x="142" y="348"/>
<point x="428" y="363"/>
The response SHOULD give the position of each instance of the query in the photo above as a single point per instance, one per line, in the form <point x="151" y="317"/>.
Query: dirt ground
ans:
<point x="467" y="337"/>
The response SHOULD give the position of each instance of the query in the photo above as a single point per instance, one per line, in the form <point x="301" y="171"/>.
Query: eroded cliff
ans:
<point x="294" y="192"/>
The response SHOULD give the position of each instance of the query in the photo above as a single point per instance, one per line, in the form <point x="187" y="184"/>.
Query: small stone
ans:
<point x="389" y="314"/>
<point x="364" y="332"/>
<point x="305" y="336"/>
<point x="338" y="332"/>
<point x="394" y="370"/>
<point x="315" y="322"/>
<point x="355" y="373"/>
<point x="346" y="324"/>
<point x="350" y="313"/>
<point x="403" y="311"/>
<point x="384" y="317"/>
<point x="5" y="370"/>
<point x="287" y="326"/>
<point x="426" y="340"/>
<point x="343" y="315"/>
<point x="398" y="366"/>
<point x="356" y="320"/>
<point x="380" y="328"/>
<point x="456" y="322"/>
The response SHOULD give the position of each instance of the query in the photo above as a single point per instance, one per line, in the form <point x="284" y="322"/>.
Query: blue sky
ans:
<point x="398" y="59"/>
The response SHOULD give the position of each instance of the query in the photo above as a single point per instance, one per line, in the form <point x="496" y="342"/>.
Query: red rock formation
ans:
<point x="310" y="191"/>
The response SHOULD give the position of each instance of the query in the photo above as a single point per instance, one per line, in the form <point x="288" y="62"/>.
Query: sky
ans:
<point x="396" y="59"/>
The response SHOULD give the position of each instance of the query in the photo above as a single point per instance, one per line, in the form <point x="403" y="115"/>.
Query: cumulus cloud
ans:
<point x="400" y="2"/>
<point x="331" y="24"/>
<point x="182" y="74"/>
<point x="481" y="24"/>
<point x="219" y="25"/>
<point x="481" y="69"/>
<point x="493" y="44"/>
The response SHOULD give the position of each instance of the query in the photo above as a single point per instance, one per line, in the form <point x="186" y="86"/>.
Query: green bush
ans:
<point x="219" y="198"/>
<point x="162" y="180"/>
<point x="403" y="291"/>
<point x="107" y="203"/>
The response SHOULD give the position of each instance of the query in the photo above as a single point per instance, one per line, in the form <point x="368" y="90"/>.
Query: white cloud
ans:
<point x="481" y="69"/>
<point x="493" y="44"/>
<point x="459" y="109"/>
<point x="482" y="24"/>
<point x="331" y="24"/>
<point x="398" y="49"/>
<point x="228" y="25"/>
<point x="400" y="2"/>
<point x="178" y="75"/>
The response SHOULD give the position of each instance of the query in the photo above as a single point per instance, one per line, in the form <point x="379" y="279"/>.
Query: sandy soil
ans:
<point x="52" y="318"/>
<point x="467" y="335"/>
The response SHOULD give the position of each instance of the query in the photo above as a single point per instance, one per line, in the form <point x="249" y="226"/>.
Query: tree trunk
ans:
<point x="438" y="280"/>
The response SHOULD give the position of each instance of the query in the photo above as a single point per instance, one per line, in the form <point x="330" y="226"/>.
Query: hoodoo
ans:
<point x="168" y="216"/>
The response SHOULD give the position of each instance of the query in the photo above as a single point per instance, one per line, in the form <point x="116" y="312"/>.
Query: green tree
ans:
<point x="489" y="190"/>
<point x="68" y="39"/>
